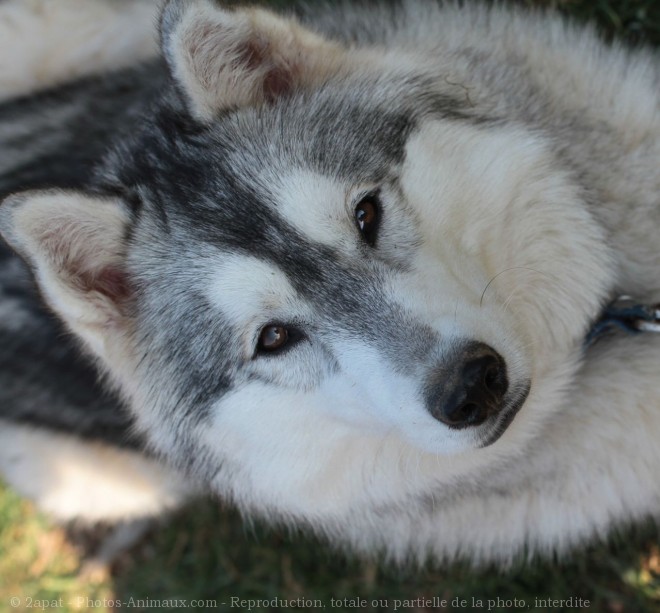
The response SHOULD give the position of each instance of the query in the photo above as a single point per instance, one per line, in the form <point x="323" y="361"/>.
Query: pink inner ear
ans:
<point x="277" y="83"/>
<point x="278" y="80"/>
<point x="111" y="282"/>
<point x="253" y="54"/>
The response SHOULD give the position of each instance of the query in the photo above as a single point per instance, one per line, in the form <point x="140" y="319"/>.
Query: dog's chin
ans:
<point x="494" y="430"/>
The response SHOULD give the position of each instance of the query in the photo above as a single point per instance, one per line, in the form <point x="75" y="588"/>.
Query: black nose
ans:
<point x="469" y="387"/>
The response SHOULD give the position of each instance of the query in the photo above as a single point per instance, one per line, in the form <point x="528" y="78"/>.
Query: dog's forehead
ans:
<point x="243" y="182"/>
<point x="336" y="138"/>
<point x="354" y="133"/>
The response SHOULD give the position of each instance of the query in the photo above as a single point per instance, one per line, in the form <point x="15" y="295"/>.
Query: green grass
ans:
<point x="632" y="20"/>
<point x="207" y="553"/>
<point x="214" y="558"/>
<point x="38" y="564"/>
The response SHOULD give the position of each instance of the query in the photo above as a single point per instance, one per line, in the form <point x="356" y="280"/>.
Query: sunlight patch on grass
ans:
<point x="38" y="563"/>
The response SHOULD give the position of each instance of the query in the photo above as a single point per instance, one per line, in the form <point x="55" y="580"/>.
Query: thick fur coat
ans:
<point x="177" y="212"/>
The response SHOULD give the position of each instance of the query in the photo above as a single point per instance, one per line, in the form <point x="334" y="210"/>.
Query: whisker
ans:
<point x="481" y="301"/>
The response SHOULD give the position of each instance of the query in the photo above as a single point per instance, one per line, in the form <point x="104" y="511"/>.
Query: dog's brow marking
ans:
<point x="246" y="288"/>
<point x="314" y="205"/>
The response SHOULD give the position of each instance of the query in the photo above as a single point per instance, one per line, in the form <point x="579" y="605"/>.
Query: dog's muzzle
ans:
<point x="469" y="387"/>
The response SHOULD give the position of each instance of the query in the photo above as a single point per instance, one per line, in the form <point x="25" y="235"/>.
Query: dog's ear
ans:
<point x="74" y="245"/>
<point x="229" y="59"/>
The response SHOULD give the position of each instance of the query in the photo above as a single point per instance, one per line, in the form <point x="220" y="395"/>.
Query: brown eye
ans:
<point x="273" y="338"/>
<point x="367" y="217"/>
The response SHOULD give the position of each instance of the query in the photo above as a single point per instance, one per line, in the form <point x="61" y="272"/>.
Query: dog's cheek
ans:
<point x="275" y="449"/>
<point x="496" y="200"/>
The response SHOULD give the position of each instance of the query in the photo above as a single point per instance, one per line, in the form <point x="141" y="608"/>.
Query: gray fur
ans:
<point x="43" y="378"/>
<point x="51" y="139"/>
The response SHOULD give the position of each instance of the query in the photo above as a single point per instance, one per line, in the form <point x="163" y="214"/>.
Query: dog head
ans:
<point x="313" y="262"/>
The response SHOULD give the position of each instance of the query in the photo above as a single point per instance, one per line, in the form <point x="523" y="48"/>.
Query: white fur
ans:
<point x="45" y="42"/>
<point x="250" y="294"/>
<point x="301" y="192"/>
<point x="74" y="479"/>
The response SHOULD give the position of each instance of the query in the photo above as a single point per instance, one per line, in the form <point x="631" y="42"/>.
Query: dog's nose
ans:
<point x="469" y="388"/>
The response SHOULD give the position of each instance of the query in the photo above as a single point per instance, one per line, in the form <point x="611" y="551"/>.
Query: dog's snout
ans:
<point x="470" y="388"/>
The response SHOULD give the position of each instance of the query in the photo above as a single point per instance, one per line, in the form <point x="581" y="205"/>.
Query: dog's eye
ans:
<point x="276" y="338"/>
<point x="273" y="338"/>
<point x="367" y="218"/>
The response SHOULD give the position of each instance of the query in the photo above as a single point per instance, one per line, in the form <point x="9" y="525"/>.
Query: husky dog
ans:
<point x="340" y="265"/>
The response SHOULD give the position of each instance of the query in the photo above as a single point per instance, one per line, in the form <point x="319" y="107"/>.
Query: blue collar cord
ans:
<point x="625" y="314"/>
